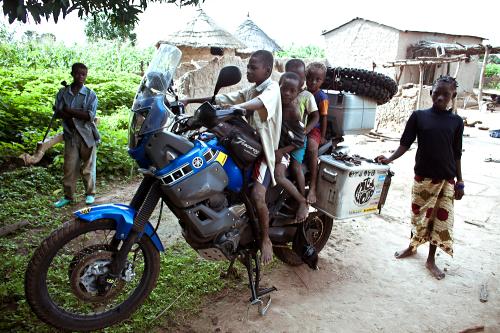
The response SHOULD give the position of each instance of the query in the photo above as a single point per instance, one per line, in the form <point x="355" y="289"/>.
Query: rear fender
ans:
<point x="124" y="217"/>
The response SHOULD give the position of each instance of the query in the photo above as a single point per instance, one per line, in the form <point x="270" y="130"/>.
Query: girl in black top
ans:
<point x="437" y="164"/>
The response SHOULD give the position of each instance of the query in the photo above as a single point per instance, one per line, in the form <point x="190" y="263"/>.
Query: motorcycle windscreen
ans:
<point x="160" y="73"/>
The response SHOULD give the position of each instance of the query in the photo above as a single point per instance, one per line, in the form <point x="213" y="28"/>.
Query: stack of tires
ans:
<point x="362" y="82"/>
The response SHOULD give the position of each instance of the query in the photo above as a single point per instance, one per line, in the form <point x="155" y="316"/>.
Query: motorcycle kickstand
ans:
<point x="258" y="295"/>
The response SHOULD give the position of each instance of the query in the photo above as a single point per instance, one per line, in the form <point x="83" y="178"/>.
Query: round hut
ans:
<point x="202" y="39"/>
<point x="254" y="38"/>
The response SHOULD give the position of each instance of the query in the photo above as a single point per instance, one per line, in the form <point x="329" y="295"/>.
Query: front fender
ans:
<point x="123" y="215"/>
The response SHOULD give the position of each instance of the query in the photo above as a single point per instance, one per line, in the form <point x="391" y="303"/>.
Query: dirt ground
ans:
<point x="360" y="286"/>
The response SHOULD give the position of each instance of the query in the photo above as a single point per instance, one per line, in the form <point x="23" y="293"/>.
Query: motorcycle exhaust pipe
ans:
<point x="282" y="235"/>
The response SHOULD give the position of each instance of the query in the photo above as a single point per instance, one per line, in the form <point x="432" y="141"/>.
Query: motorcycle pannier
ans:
<point x="242" y="141"/>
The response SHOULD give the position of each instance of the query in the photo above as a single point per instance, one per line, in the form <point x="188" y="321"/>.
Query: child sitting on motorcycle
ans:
<point x="263" y="97"/>
<point x="309" y="115"/>
<point x="292" y="138"/>
<point x="315" y="76"/>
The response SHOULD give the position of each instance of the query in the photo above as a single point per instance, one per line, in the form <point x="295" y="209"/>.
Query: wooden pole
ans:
<point x="454" y="101"/>
<point x="456" y="70"/>
<point x="420" y="84"/>
<point x="481" y="76"/>
<point x="398" y="76"/>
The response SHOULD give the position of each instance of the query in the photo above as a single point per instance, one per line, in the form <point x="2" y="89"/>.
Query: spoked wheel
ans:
<point x="318" y="227"/>
<point x="67" y="285"/>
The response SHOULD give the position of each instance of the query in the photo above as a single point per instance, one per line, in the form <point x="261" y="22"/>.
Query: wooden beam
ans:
<point x="426" y="61"/>
<point x="481" y="77"/>
<point x="455" y="49"/>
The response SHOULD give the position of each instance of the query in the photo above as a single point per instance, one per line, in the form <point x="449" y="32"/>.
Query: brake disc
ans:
<point x="85" y="274"/>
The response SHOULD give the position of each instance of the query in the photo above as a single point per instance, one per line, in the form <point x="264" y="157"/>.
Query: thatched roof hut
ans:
<point x="254" y="39"/>
<point x="202" y="39"/>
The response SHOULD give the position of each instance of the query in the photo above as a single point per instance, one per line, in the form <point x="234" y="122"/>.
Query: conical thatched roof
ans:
<point x="202" y="31"/>
<point x="254" y="38"/>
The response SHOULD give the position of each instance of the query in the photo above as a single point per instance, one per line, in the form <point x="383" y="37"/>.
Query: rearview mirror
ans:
<point x="228" y="76"/>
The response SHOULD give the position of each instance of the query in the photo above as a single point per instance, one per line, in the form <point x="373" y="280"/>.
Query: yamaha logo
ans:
<point x="197" y="162"/>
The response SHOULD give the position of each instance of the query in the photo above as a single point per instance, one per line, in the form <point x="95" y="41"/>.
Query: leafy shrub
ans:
<point x="112" y="155"/>
<point x="26" y="99"/>
<point x="119" y="90"/>
<point x="104" y="55"/>
<point x="492" y="69"/>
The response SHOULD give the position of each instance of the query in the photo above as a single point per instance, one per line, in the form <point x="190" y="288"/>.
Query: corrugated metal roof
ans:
<point x="254" y="38"/>
<point x="388" y="26"/>
<point x="202" y="31"/>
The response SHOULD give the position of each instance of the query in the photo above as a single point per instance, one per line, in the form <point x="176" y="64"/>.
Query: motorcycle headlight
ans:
<point x="137" y="119"/>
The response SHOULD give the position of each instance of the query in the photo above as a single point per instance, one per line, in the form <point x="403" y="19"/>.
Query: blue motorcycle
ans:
<point x="199" y="167"/>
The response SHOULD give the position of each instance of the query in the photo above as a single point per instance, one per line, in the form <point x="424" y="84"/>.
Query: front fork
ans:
<point x="144" y="202"/>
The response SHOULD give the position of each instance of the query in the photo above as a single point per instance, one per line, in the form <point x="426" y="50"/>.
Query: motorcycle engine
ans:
<point x="225" y="244"/>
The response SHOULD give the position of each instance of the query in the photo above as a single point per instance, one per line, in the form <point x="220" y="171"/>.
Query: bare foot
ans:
<point x="302" y="212"/>
<point x="436" y="272"/>
<point x="311" y="196"/>
<point x="266" y="251"/>
<point x="405" y="253"/>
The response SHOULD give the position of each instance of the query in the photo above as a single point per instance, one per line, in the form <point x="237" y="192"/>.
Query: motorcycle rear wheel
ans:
<point x="317" y="235"/>
<point x="61" y="278"/>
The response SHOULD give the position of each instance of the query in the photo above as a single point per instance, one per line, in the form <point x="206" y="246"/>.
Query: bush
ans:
<point x="303" y="52"/>
<point x="492" y="69"/>
<point x="26" y="99"/>
<point x="112" y="155"/>
<point x="104" y="55"/>
<point x="114" y="90"/>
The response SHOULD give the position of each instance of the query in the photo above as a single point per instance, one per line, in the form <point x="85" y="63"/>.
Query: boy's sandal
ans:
<point x="62" y="202"/>
<point x="89" y="199"/>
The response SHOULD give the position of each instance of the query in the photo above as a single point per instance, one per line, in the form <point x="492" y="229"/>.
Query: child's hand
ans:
<point x="382" y="159"/>
<point x="322" y="141"/>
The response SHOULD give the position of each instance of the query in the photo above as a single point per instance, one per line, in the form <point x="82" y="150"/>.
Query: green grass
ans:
<point x="28" y="194"/>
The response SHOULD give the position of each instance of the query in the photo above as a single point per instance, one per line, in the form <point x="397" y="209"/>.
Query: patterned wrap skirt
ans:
<point x="432" y="213"/>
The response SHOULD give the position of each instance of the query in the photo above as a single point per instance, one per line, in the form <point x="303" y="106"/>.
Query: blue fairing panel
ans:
<point x="124" y="217"/>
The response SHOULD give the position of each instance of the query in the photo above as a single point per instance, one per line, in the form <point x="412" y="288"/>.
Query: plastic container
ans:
<point x="350" y="114"/>
<point x="345" y="190"/>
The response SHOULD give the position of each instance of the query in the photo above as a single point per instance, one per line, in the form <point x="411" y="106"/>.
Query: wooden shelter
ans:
<point x="202" y="39"/>
<point x="254" y="38"/>
<point x="426" y="55"/>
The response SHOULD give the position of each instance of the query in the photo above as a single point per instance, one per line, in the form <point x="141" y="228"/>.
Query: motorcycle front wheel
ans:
<point x="66" y="284"/>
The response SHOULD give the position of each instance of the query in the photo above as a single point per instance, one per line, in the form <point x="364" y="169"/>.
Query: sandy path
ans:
<point x="361" y="287"/>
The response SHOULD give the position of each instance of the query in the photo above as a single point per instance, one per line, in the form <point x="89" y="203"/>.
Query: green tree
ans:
<point x="6" y="36"/>
<point x="97" y="27"/>
<point x="118" y="12"/>
<point x="310" y="51"/>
